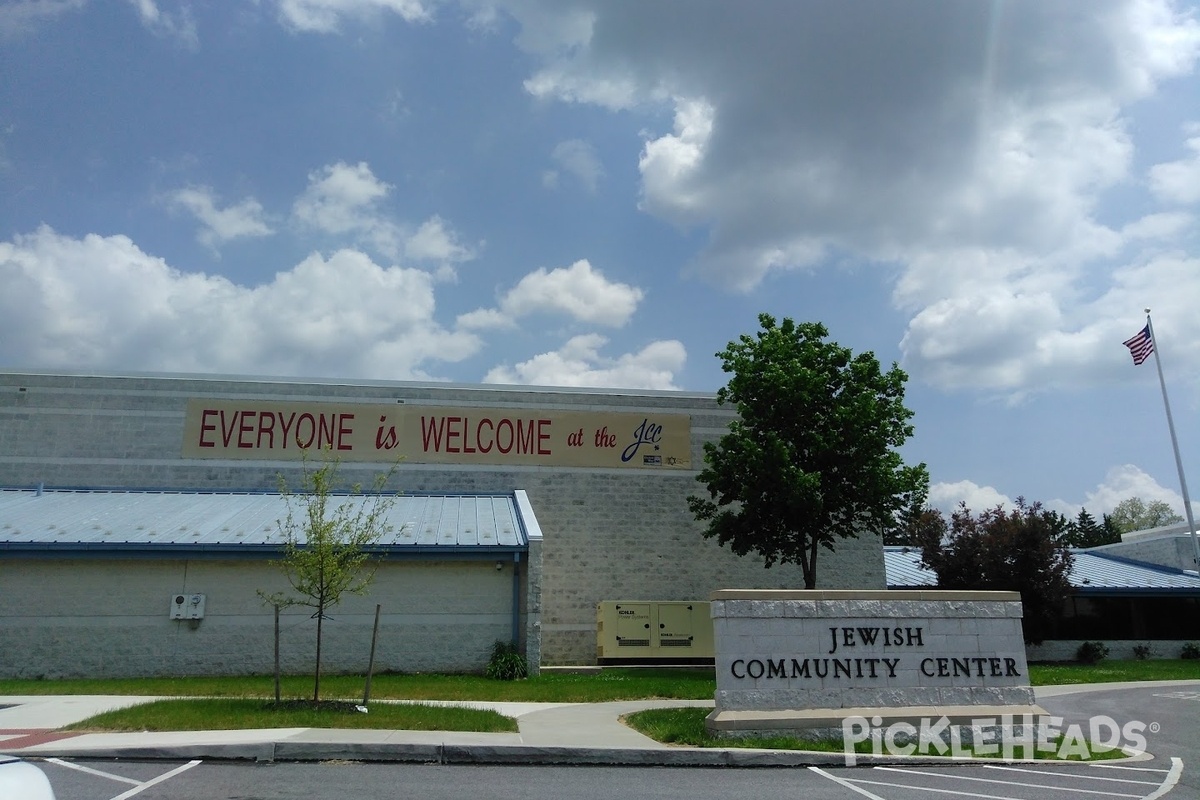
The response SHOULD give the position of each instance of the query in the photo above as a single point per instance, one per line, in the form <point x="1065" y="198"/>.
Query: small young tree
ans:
<point x="328" y="539"/>
<point x="812" y="456"/>
<point x="1023" y="550"/>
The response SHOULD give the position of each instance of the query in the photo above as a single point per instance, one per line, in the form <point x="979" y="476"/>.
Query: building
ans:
<point x="594" y="485"/>
<point x="1122" y="602"/>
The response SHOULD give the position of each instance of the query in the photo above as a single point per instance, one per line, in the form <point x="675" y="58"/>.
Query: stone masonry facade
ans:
<point x="846" y="649"/>
<point x="609" y="534"/>
<point x="67" y="618"/>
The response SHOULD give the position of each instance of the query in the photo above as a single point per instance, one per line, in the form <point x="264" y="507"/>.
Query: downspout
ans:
<point x="516" y="600"/>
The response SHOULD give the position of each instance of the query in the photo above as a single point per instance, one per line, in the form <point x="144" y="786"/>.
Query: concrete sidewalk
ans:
<point x="549" y="733"/>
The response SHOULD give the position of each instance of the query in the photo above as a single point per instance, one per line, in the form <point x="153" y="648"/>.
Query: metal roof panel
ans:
<point x="1090" y="572"/>
<point x="91" y="518"/>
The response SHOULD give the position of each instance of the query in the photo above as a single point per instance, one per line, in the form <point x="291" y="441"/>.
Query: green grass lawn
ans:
<point x="224" y="703"/>
<point x="557" y="687"/>
<point x="685" y="726"/>
<point x="616" y="683"/>
<point x="1166" y="669"/>
<point x="204" y="714"/>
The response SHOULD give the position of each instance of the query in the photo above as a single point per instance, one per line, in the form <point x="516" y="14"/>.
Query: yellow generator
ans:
<point x="678" y="632"/>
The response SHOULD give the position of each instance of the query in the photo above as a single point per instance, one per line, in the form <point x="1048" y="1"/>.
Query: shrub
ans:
<point x="1091" y="652"/>
<point x="1141" y="651"/>
<point x="1191" y="651"/>
<point x="506" y="663"/>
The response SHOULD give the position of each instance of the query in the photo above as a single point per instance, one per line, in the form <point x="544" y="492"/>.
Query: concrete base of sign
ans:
<point x="801" y="662"/>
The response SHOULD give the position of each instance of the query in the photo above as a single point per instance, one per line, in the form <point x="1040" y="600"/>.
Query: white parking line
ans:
<point x="1077" y="775"/>
<point x="90" y="771"/>
<point x="954" y="777"/>
<point x="1169" y="782"/>
<point x="845" y="783"/>
<point x="141" y="787"/>
<point x="941" y="791"/>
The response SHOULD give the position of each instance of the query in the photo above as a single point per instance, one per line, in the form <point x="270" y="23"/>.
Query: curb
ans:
<point x="516" y="755"/>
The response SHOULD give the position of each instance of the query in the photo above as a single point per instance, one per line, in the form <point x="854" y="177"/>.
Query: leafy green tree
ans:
<point x="1135" y="514"/>
<point x="812" y="456"/>
<point x="1024" y="550"/>
<point x="328" y="536"/>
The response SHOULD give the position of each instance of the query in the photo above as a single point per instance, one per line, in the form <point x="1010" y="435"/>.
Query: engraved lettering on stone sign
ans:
<point x="856" y="666"/>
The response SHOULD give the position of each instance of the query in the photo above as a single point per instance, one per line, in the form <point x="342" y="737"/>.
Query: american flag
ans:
<point x="1140" y="345"/>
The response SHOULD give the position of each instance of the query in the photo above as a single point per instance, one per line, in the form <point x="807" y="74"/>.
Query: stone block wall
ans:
<point x="610" y="534"/>
<point x="846" y="649"/>
<point x="1171" y="550"/>
<point x="96" y="617"/>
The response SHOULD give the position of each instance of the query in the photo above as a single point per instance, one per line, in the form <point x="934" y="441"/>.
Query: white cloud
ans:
<point x="220" y="225"/>
<point x="579" y="363"/>
<point x="23" y="16"/>
<point x="324" y="16"/>
<point x="1124" y="482"/>
<point x="341" y="198"/>
<point x="671" y="164"/>
<point x="344" y="199"/>
<point x="1178" y="181"/>
<point x="178" y="25"/>
<point x="946" y="497"/>
<point x="435" y="241"/>
<point x="101" y="302"/>
<point x="979" y="173"/>
<point x="577" y="158"/>
<point x="1161" y="226"/>
<point x="577" y="291"/>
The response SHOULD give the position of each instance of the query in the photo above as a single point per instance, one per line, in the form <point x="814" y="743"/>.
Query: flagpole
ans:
<point x="1187" y="503"/>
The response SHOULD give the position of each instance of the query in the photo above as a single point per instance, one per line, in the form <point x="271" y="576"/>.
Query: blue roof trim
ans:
<point x="1133" y="562"/>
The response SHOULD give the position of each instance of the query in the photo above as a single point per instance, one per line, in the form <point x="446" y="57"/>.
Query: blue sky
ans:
<point x="601" y="193"/>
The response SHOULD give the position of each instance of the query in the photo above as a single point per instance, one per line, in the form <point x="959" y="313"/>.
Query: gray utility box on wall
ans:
<point x="678" y="632"/>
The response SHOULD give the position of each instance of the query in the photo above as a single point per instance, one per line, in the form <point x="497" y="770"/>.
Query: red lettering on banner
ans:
<point x="287" y="428"/>
<point x="524" y="437"/>
<point x="205" y="426"/>
<point x="227" y="433"/>
<point x="266" y="426"/>
<point x="324" y="431"/>
<point x="247" y="426"/>
<point x="312" y="431"/>
<point x="467" y="436"/>
<point x="344" y="431"/>
<point x="479" y="435"/>
<point x="432" y="428"/>
<point x="460" y="435"/>
<point x="504" y="448"/>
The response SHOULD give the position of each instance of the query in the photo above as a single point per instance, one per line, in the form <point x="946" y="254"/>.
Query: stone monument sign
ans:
<point x="802" y="661"/>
